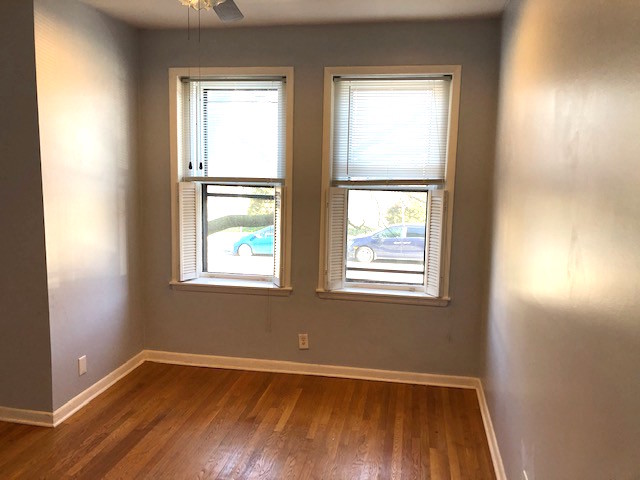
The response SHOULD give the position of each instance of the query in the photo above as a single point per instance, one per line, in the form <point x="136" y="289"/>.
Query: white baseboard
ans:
<point x="26" y="417"/>
<point x="280" y="366"/>
<point x="491" y="434"/>
<point x="79" y="401"/>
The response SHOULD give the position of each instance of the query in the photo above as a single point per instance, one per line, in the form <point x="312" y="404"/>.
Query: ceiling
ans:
<point x="170" y="14"/>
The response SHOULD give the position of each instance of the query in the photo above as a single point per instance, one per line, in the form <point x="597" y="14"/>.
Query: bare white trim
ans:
<point x="281" y="366"/>
<point x="327" y="147"/>
<point x="410" y="290"/>
<point x="235" y="181"/>
<point x="235" y="73"/>
<point x="491" y="434"/>
<point x="237" y="287"/>
<point x="456" y="72"/>
<point x="174" y="94"/>
<point x="234" y="279"/>
<point x="26" y="417"/>
<point x="382" y="296"/>
<point x="79" y="401"/>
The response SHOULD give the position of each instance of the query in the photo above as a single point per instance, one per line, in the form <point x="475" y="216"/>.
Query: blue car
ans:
<point x="396" y="242"/>
<point x="256" y="243"/>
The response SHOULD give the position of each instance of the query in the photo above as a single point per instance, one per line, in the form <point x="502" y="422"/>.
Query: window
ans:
<point x="231" y="170"/>
<point x="389" y="163"/>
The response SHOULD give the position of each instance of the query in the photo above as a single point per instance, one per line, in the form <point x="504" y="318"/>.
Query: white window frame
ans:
<point x="388" y="293"/>
<point x="222" y="283"/>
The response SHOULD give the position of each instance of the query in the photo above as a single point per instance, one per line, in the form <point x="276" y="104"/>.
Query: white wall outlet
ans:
<point x="82" y="365"/>
<point x="303" y="341"/>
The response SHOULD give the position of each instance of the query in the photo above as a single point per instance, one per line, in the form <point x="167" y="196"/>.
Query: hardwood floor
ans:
<point x="174" y="422"/>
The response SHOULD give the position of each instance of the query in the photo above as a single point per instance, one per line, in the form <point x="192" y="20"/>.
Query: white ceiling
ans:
<point x="170" y="14"/>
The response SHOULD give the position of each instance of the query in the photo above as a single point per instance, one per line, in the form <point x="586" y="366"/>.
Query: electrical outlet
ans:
<point x="82" y="365"/>
<point x="303" y="341"/>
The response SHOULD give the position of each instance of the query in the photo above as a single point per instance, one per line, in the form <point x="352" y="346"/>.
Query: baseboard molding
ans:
<point x="26" y="417"/>
<point x="79" y="401"/>
<point x="280" y="366"/>
<point x="491" y="434"/>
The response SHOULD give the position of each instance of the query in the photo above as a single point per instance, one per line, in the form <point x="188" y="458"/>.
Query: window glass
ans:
<point x="390" y="232"/>
<point x="377" y="250"/>
<point x="415" y="232"/>
<point x="239" y="230"/>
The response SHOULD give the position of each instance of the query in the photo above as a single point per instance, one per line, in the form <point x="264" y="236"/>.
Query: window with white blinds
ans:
<point x="232" y="148"/>
<point x="389" y="182"/>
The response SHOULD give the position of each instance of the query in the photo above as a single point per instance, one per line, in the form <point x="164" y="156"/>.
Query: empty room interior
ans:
<point x="290" y="239"/>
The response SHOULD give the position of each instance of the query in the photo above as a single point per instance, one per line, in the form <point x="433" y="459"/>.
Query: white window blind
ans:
<point x="390" y="128"/>
<point x="238" y="128"/>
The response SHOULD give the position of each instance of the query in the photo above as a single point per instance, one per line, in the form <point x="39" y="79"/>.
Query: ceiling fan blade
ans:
<point x="228" y="11"/>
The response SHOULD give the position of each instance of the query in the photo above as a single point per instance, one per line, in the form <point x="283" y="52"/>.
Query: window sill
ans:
<point x="382" y="296"/>
<point x="233" y="286"/>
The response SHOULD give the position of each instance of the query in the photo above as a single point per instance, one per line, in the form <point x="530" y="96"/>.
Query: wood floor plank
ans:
<point x="174" y="422"/>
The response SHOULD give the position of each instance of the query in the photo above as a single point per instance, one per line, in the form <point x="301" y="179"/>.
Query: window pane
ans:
<point x="239" y="230"/>
<point x="386" y="237"/>
<point x="415" y="232"/>
<point x="390" y="232"/>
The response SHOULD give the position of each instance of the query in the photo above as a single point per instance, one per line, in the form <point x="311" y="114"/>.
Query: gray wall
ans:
<point x="424" y="339"/>
<point x="563" y="350"/>
<point x="87" y="85"/>
<point x="25" y="355"/>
